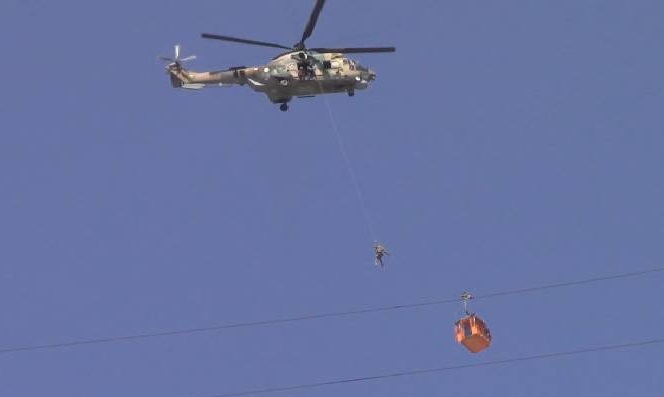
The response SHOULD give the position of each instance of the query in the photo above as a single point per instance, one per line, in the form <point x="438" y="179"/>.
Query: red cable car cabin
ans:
<point x="473" y="333"/>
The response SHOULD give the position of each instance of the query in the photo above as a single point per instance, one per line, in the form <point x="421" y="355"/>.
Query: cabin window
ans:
<point x="467" y="330"/>
<point x="327" y="64"/>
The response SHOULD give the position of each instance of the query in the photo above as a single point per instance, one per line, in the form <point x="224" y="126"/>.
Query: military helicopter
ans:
<point x="299" y="72"/>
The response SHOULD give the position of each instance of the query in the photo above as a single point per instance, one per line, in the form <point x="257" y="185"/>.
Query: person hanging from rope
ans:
<point x="379" y="251"/>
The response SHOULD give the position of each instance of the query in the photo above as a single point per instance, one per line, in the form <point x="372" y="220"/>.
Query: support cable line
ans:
<point x="314" y="316"/>
<point x="446" y="369"/>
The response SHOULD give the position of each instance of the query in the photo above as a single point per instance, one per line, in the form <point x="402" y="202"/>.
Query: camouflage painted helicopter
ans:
<point x="299" y="72"/>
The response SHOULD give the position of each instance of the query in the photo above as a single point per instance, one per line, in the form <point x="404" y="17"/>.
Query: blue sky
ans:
<point x="504" y="145"/>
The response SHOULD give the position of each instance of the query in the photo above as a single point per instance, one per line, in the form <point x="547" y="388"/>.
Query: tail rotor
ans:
<point x="177" y="61"/>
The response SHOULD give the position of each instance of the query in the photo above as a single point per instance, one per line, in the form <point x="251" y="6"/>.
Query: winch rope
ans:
<point x="350" y="169"/>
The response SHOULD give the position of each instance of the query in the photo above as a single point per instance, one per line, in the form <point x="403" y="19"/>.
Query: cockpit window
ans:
<point x="354" y="65"/>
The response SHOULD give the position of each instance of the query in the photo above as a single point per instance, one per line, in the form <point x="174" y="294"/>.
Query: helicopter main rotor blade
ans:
<point x="243" y="41"/>
<point x="312" y="22"/>
<point x="353" y="50"/>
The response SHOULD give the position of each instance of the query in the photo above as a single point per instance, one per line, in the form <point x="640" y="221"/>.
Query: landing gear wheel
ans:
<point x="283" y="82"/>
<point x="351" y="92"/>
<point x="283" y="107"/>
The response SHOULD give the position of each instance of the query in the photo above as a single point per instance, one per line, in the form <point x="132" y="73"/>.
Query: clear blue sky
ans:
<point x="504" y="145"/>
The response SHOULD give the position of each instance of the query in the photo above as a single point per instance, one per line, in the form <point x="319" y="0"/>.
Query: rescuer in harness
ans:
<point x="379" y="251"/>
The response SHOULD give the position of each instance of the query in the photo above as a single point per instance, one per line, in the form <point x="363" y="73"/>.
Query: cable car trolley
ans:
<point x="471" y="331"/>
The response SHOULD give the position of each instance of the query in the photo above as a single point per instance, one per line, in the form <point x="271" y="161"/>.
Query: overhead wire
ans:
<point x="315" y="316"/>
<point x="445" y="369"/>
<point x="570" y="283"/>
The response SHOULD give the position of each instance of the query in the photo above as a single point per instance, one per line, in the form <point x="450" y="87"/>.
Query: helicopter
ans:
<point x="299" y="72"/>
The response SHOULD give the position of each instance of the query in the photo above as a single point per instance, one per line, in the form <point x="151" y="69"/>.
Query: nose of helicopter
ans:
<point x="372" y="75"/>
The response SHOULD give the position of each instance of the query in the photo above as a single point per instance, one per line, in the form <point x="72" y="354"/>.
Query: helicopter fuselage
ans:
<point x="289" y="75"/>
<point x="302" y="71"/>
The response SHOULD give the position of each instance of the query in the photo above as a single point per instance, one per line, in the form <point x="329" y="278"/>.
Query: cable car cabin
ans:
<point x="473" y="333"/>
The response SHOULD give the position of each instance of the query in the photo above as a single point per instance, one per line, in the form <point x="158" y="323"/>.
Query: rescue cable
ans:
<point x="349" y="167"/>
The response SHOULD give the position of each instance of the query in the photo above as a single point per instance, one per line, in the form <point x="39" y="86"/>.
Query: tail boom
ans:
<point x="182" y="78"/>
